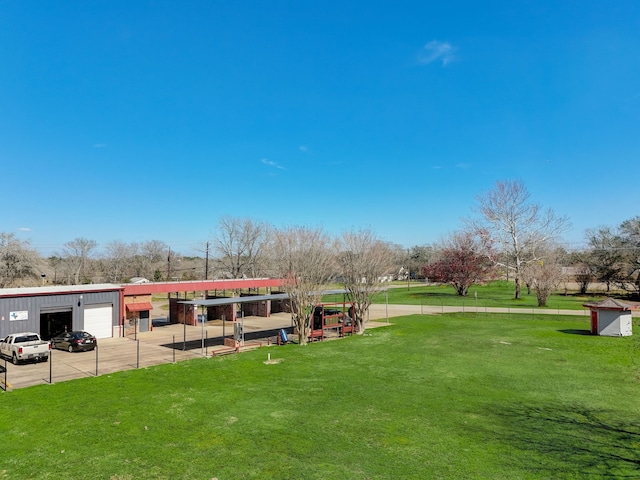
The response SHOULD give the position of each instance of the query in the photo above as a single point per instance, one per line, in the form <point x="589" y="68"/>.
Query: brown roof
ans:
<point x="611" y="304"/>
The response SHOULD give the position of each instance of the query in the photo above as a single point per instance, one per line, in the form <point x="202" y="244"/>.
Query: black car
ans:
<point x="74" y="341"/>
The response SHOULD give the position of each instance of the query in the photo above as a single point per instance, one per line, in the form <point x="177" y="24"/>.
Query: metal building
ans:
<point x="50" y="310"/>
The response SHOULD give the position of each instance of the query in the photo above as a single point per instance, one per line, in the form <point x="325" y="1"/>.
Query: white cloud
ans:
<point x="303" y="148"/>
<point x="271" y="163"/>
<point x="24" y="229"/>
<point x="436" y="51"/>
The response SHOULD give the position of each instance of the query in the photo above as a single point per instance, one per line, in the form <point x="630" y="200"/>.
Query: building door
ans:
<point x="55" y="321"/>
<point x="98" y="320"/>
<point x="144" y="320"/>
<point x="594" y="322"/>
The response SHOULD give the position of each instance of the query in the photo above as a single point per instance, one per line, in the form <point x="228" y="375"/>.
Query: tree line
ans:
<point x="510" y="236"/>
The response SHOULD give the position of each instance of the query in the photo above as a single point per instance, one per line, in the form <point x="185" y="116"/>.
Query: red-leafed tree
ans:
<point x="462" y="261"/>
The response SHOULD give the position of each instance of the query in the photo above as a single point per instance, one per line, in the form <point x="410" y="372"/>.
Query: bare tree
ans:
<point x="303" y="259"/>
<point x="17" y="260"/>
<point x="544" y="275"/>
<point x="417" y="257"/>
<point x="149" y="259"/>
<point x="583" y="273"/>
<point x="630" y="233"/>
<point x="239" y="243"/>
<point x="117" y="256"/>
<point x="519" y="227"/>
<point x="364" y="260"/>
<point x="76" y="253"/>
<point x="606" y="255"/>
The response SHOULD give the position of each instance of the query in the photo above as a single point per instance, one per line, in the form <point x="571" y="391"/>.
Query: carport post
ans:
<point x="174" y="349"/>
<point x="96" y="359"/>
<point x="184" y="327"/>
<point x="202" y="323"/>
<point x="138" y="353"/>
<point x="5" y="374"/>
<point x="242" y="313"/>
<point x="50" y="367"/>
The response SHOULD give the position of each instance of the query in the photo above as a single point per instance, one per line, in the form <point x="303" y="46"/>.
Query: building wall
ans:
<point x="614" y="323"/>
<point x="181" y="313"/>
<point x="132" y="319"/>
<point x="29" y="309"/>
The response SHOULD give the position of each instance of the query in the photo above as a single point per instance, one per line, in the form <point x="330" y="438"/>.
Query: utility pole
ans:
<point x="169" y="266"/>
<point x="206" y="262"/>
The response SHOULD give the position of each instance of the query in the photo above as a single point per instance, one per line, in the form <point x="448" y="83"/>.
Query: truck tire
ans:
<point x="14" y="359"/>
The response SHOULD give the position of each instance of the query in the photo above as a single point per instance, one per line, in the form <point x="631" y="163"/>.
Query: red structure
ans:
<point x="329" y="316"/>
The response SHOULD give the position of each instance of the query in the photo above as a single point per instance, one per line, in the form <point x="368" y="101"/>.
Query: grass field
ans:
<point x="452" y="396"/>
<point x="494" y="294"/>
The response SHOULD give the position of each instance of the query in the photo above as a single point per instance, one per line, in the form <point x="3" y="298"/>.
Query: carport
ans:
<point x="192" y="306"/>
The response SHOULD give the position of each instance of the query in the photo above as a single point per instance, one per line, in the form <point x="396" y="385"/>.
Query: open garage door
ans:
<point x="98" y="320"/>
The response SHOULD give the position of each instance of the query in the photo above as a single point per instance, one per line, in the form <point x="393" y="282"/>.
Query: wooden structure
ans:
<point x="332" y="316"/>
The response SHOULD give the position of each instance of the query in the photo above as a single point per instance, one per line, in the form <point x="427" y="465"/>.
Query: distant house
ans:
<point x="138" y="280"/>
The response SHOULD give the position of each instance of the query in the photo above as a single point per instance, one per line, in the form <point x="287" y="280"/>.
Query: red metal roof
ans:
<point x="139" y="307"/>
<point x="199" y="285"/>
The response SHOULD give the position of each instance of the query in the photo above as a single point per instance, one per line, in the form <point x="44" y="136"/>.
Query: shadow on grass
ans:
<point x="574" y="440"/>
<point x="217" y="341"/>
<point x="576" y="331"/>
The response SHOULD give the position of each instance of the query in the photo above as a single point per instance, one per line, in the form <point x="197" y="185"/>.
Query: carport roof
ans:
<point x="212" y="302"/>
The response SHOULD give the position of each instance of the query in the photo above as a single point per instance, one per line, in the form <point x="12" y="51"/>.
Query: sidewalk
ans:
<point x="382" y="311"/>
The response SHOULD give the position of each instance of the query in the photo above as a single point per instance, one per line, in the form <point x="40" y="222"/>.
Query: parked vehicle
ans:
<point x="74" y="341"/>
<point x="21" y="347"/>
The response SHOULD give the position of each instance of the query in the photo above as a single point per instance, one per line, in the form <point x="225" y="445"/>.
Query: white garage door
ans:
<point x="98" y="320"/>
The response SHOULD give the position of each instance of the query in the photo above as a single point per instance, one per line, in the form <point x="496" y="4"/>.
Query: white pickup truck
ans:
<point x="20" y="347"/>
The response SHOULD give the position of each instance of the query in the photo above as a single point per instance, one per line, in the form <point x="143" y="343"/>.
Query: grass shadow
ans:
<point x="575" y="331"/>
<point x="576" y="440"/>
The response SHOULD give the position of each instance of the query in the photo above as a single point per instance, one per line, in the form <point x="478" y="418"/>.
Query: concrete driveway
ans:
<point x="164" y="344"/>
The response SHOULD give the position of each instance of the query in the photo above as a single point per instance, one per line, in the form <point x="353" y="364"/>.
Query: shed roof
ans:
<point x="611" y="304"/>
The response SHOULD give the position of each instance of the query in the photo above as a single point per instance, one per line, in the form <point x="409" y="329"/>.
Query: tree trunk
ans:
<point x="303" y="331"/>
<point x="517" y="297"/>
<point x="359" y="322"/>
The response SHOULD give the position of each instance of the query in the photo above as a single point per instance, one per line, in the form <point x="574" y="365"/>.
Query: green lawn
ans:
<point x="494" y="294"/>
<point x="453" y="396"/>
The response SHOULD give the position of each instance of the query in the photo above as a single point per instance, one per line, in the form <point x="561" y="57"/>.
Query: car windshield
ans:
<point x="27" y="338"/>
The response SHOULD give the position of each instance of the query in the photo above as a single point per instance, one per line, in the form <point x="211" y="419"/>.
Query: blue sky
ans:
<point x="142" y="120"/>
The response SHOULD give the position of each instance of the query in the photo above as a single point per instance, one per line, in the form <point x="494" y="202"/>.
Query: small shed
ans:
<point x="611" y="317"/>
